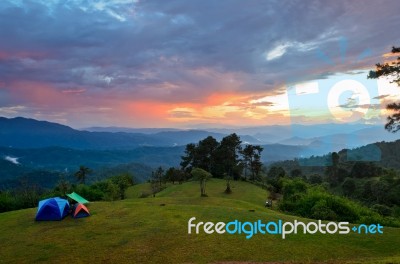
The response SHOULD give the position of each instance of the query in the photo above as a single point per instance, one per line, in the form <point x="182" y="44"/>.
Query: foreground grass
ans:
<point x="141" y="231"/>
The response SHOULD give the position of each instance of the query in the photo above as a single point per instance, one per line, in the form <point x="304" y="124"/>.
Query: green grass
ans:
<point x="139" y="230"/>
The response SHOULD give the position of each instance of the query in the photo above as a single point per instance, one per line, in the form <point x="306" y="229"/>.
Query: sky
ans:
<point x="136" y="63"/>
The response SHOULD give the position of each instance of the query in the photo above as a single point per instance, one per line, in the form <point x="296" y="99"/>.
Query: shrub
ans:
<point x="315" y="202"/>
<point x="315" y="179"/>
<point x="382" y="209"/>
<point x="91" y="193"/>
<point x="321" y="210"/>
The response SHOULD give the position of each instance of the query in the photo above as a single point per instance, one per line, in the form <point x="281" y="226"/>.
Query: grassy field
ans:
<point x="140" y="230"/>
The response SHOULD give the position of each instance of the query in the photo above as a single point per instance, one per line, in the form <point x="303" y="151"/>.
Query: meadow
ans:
<point x="154" y="230"/>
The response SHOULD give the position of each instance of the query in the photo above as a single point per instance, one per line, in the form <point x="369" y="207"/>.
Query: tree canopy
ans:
<point x="227" y="158"/>
<point x="390" y="70"/>
<point x="82" y="173"/>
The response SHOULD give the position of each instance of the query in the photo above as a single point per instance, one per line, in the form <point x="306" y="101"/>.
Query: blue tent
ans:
<point x="52" y="209"/>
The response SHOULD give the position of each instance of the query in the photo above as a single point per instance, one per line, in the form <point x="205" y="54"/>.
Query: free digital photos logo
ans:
<point x="281" y="228"/>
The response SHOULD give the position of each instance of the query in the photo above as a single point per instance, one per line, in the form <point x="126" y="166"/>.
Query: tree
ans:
<point x="189" y="160"/>
<point x="332" y="171"/>
<point x="392" y="71"/>
<point x="123" y="181"/>
<point x="349" y="186"/>
<point x="63" y="186"/>
<point x="202" y="176"/>
<point x="112" y="192"/>
<point x="200" y="155"/>
<point x="82" y="173"/>
<point x="274" y="177"/>
<point x="205" y="153"/>
<point x="252" y="160"/>
<point x="380" y="190"/>
<point x="159" y="176"/>
<point x="276" y="172"/>
<point x="154" y="186"/>
<point x="173" y="175"/>
<point x="315" y="179"/>
<point x="170" y="175"/>
<point x="296" y="173"/>
<point x="227" y="157"/>
<point x="362" y="169"/>
<point x="156" y="180"/>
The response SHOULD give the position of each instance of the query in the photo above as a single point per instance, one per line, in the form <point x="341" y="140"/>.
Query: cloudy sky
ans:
<point x="184" y="63"/>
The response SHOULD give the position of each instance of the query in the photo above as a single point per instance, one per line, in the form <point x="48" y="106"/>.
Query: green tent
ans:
<point x="76" y="197"/>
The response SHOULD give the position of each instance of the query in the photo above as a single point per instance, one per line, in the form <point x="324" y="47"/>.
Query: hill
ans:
<point x="382" y="153"/>
<point x="54" y="161"/>
<point x="139" y="230"/>
<point x="30" y="133"/>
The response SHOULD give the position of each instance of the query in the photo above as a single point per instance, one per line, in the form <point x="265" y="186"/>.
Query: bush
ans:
<point x="91" y="193"/>
<point x="382" y="209"/>
<point x="349" y="186"/>
<point x="293" y="187"/>
<point x="321" y="210"/>
<point x="315" y="179"/>
<point x="396" y="211"/>
<point x="315" y="202"/>
<point x="7" y="202"/>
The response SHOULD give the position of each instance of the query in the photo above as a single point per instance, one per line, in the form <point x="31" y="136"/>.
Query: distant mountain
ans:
<point x="67" y="159"/>
<point x="338" y="141"/>
<point x="130" y="130"/>
<point x="193" y="136"/>
<point x="336" y="135"/>
<point x="384" y="154"/>
<point x="29" y="133"/>
<point x="297" y="141"/>
<point x="178" y="136"/>
<point x="276" y="133"/>
<point x="45" y="166"/>
<point x="140" y="171"/>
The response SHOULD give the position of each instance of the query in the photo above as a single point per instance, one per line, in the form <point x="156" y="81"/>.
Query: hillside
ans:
<point x="22" y="132"/>
<point x="383" y="153"/>
<point x="139" y="230"/>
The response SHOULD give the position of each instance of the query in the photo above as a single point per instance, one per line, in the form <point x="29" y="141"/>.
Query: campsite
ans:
<point x="56" y="208"/>
<point x="139" y="230"/>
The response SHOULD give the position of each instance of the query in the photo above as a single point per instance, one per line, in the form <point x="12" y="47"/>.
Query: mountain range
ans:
<point x="29" y="133"/>
<point x="28" y="145"/>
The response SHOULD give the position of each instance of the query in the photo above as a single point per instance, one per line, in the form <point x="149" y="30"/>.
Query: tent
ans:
<point x="76" y="197"/>
<point x="52" y="209"/>
<point x="80" y="211"/>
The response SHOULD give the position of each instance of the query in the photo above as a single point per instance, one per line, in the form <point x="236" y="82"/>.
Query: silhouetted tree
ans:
<point x="392" y="71"/>
<point x="205" y="153"/>
<point x="315" y="179"/>
<point x="274" y="177"/>
<point x="189" y="160"/>
<point x="175" y="175"/>
<point x="362" y="169"/>
<point x="82" y="173"/>
<point x="252" y="160"/>
<point x="349" y="186"/>
<point x="332" y="170"/>
<point x="296" y="173"/>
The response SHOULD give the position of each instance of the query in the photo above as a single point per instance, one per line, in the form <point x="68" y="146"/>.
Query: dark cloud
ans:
<point x="180" y="50"/>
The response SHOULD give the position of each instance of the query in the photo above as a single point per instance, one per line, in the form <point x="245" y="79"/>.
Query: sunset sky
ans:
<point x="195" y="63"/>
